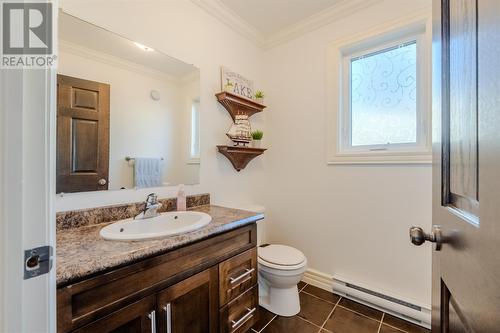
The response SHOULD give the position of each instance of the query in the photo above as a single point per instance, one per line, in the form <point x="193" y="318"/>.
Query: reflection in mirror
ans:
<point x="127" y="115"/>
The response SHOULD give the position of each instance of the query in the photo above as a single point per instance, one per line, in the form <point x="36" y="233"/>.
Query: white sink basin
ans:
<point x="167" y="224"/>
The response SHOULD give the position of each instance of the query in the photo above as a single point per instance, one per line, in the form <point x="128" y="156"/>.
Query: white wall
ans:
<point x="184" y="31"/>
<point x="139" y="126"/>
<point x="350" y="221"/>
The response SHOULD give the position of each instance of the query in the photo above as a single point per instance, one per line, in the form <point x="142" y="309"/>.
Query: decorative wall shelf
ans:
<point x="235" y="104"/>
<point x="240" y="156"/>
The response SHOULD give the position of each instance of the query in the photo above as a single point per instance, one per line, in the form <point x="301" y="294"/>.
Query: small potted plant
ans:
<point x="259" y="97"/>
<point x="256" y="138"/>
<point x="229" y="87"/>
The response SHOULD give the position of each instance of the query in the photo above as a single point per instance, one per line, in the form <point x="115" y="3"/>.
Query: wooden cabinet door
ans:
<point x="191" y="305"/>
<point x="138" y="317"/>
<point x="82" y="135"/>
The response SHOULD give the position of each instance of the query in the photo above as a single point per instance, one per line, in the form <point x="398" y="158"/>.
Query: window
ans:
<point x="383" y="100"/>
<point x="195" y="132"/>
<point x="383" y="97"/>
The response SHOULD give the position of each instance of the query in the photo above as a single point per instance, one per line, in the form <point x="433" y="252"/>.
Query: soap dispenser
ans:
<point x="181" y="198"/>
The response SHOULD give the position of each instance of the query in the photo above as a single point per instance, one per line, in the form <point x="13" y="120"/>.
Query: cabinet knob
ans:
<point x="102" y="182"/>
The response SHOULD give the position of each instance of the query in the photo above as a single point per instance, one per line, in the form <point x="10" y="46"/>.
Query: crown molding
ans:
<point x="108" y="59"/>
<point x="224" y="14"/>
<point x="340" y="10"/>
<point x="416" y="21"/>
<point x="220" y="11"/>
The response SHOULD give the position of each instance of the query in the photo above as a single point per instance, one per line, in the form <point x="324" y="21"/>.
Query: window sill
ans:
<point x="385" y="158"/>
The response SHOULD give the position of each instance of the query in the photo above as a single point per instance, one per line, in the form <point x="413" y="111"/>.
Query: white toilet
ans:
<point x="281" y="267"/>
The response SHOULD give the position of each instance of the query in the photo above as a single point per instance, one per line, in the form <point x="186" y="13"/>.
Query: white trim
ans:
<point x="340" y="10"/>
<point x="419" y="21"/>
<point x="224" y="14"/>
<point x="318" y="279"/>
<point x="28" y="192"/>
<point x="3" y="228"/>
<point x="336" y="284"/>
<point x="390" y="41"/>
<point x="78" y="50"/>
<point x="193" y="160"/>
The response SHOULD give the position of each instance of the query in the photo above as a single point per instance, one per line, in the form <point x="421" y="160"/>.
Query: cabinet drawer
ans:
<point x="240" y="314"/>
<point x="237" y="275"/>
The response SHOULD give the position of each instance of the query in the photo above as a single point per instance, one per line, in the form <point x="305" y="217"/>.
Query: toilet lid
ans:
<point x="281" y="255"/>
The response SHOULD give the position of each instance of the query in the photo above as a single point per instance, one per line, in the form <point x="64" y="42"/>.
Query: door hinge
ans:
<point x="37" y="261"/>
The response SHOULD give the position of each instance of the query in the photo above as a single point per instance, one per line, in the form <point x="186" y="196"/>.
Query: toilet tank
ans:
<point x="261" y="225"/>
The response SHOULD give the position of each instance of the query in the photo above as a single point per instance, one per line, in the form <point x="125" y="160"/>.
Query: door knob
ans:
<point x="102" y="182"/>
<point x="419" y="237"/>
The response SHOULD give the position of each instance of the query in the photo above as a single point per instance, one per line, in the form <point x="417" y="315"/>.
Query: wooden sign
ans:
<point x="236" y="83"/>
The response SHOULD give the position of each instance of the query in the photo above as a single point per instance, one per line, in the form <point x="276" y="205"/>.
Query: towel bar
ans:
<point x="128" y="158"/>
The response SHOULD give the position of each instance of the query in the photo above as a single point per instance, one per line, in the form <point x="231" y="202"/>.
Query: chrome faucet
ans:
<point x="151" y="206"/>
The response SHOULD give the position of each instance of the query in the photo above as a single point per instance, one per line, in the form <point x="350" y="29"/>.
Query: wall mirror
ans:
<point x="127" y="115"/>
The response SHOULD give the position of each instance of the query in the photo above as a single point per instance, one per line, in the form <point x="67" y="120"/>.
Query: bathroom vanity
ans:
<point x="203" y="281"/>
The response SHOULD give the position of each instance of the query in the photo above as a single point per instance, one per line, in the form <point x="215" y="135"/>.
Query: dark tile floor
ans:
<point x="324" y="312"/>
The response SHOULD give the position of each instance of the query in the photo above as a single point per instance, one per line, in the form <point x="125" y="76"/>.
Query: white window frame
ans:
<point x="340" y="54"/>
<point x="194" y="157"/>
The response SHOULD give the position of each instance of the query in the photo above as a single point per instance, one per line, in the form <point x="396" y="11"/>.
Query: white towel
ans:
<point x="147" y="172"/>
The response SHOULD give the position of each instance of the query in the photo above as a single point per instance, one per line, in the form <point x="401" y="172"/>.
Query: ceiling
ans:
<point x="268" y="23"/>
<point x="272" y="16"/>
<point x="89" y="36"/>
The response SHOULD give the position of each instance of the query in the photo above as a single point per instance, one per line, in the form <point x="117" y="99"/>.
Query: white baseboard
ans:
<point x="318" y="279"/>
<point x="330" y="283"/>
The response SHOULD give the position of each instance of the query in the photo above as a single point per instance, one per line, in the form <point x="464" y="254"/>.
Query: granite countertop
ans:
<point x="81" y="252"/>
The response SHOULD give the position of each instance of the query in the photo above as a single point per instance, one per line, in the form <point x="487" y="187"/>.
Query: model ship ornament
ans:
<point x="241" y="131"/>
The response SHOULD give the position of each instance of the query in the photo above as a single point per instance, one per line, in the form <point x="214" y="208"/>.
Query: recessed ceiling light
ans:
<point x="143" y="47"/>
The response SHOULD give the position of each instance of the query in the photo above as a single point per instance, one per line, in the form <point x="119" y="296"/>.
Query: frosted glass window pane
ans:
<point x="384" y="97"/>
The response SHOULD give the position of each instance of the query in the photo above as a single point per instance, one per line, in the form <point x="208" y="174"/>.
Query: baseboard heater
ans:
<point x="400" y="308"/>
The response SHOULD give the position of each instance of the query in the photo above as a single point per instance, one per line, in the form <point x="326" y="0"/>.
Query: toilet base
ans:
<point x="281" y="301"/>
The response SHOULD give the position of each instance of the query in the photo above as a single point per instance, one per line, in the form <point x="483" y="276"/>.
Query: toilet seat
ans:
<point x="281" y="257"/>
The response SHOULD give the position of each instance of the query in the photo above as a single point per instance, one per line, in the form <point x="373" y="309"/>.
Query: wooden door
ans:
<point x="466" y="170"/>
<point x="138" y="317"/>
<point x="191" y="305"/>
<point x="82" y="135"/>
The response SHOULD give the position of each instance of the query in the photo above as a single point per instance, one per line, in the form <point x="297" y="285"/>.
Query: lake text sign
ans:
<point x="236" y="83"/>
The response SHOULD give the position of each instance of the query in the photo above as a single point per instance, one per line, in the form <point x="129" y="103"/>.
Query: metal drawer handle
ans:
<point x="243" y="319"/>
<point x="168" y="317"/>
<point x="242" y="276"/>
<point x="152" y="316"/>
